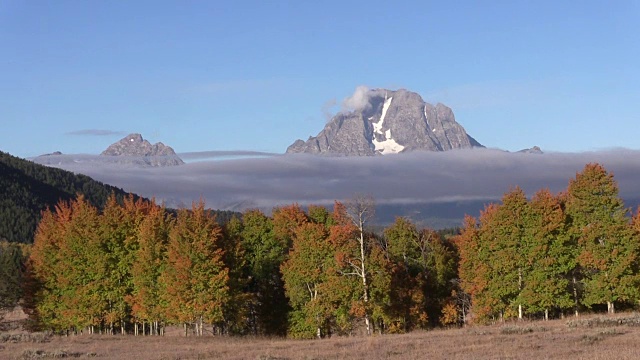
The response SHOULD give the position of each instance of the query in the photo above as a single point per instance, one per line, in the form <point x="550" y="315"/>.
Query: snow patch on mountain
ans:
<point x="377" y="127"/>
<point x="388" y="145"/>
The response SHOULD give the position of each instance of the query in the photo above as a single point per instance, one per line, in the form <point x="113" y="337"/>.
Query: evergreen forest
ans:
<point x="29" y="188"/>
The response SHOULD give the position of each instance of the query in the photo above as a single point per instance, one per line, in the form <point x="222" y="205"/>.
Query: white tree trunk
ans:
<point x="365" y="285"/>
<point x="361" y="209"/>
<point x="575" y="294"/>
<point x="520" y="288"/>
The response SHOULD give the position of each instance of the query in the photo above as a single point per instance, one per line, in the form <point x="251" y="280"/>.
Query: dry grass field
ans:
<point x="589" y="337"/>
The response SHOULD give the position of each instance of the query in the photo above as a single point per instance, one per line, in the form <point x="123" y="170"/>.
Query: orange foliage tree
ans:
<point x="195" y="276"/>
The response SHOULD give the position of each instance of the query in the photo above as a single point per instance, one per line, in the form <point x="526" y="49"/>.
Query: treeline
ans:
<point x="136" y="268"/>
<point x="552" y="254"/>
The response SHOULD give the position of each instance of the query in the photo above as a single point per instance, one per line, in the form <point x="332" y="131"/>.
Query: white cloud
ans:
<point x="220" y="154"/>
<point x="359" y="100"/>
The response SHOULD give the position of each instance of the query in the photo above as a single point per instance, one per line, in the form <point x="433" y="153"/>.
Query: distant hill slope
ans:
<point x="27" y="188"/>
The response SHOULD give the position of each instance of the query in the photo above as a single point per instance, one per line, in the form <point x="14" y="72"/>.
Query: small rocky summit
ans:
<point x="533" y="150"/>
<point x="134" y="149"/>
<point x="381" y="122"/>
<point x="55" y="153"/>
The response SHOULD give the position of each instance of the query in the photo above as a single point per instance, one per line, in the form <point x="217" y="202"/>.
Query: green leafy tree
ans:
<point x="494" y="286"/>
<point x="319" y="215"/>
<point x="510" y="245"/>
<point x="549" y="256"/>
<point x="406" y="275"/>
<point x="82" y="273"/>
<point x="119" y="236"/>
<point x="237" y="309"/>
<point x="305" y="273"/>
<point x="608" y="249"/>
<point x="439" y="259"/>
<point x="268" y="307"/>
<point x="402" y="240"/>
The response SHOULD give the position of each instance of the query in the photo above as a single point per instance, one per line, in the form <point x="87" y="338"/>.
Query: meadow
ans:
<point x="587" y="337"/>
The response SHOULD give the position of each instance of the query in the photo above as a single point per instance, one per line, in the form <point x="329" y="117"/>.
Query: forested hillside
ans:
<point x="28" y="188"/>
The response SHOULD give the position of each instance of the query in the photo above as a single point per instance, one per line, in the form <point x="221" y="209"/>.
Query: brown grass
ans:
<point x="595" y="337"/>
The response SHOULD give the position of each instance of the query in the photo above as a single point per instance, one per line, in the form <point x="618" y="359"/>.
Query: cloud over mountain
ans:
<point x="359" y="100"/>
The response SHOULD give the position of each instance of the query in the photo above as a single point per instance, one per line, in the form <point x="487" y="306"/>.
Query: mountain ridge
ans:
<point x="384" y="122"/>
<point x="142" y="151"/>
<point x="132" y="150"/>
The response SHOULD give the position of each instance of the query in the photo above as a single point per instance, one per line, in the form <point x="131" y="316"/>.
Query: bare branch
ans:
<point x="349" y="274"/>
<point x="357" y="268"/>
<point x="310" y="291"/>
<point x="361" y="208"/>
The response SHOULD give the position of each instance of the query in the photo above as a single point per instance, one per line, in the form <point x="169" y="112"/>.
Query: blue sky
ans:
<point x="256" y="75"/>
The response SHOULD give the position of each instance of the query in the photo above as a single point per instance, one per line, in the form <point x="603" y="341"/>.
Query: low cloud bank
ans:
<point x="219" y="154"/>
<point x="477" y="175"/>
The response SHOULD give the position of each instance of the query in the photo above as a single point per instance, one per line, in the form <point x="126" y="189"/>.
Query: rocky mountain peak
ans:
<point x="137" y="149"/>
<point x="55" y="153"/>
<point x="533" y="150"/>
<point x="381" y="121"/>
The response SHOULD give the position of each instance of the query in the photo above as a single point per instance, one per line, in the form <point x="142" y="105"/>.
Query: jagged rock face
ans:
<point x="136" y="150"/>
<point x="348" y="134"/>
<point x="390" y="122"/>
